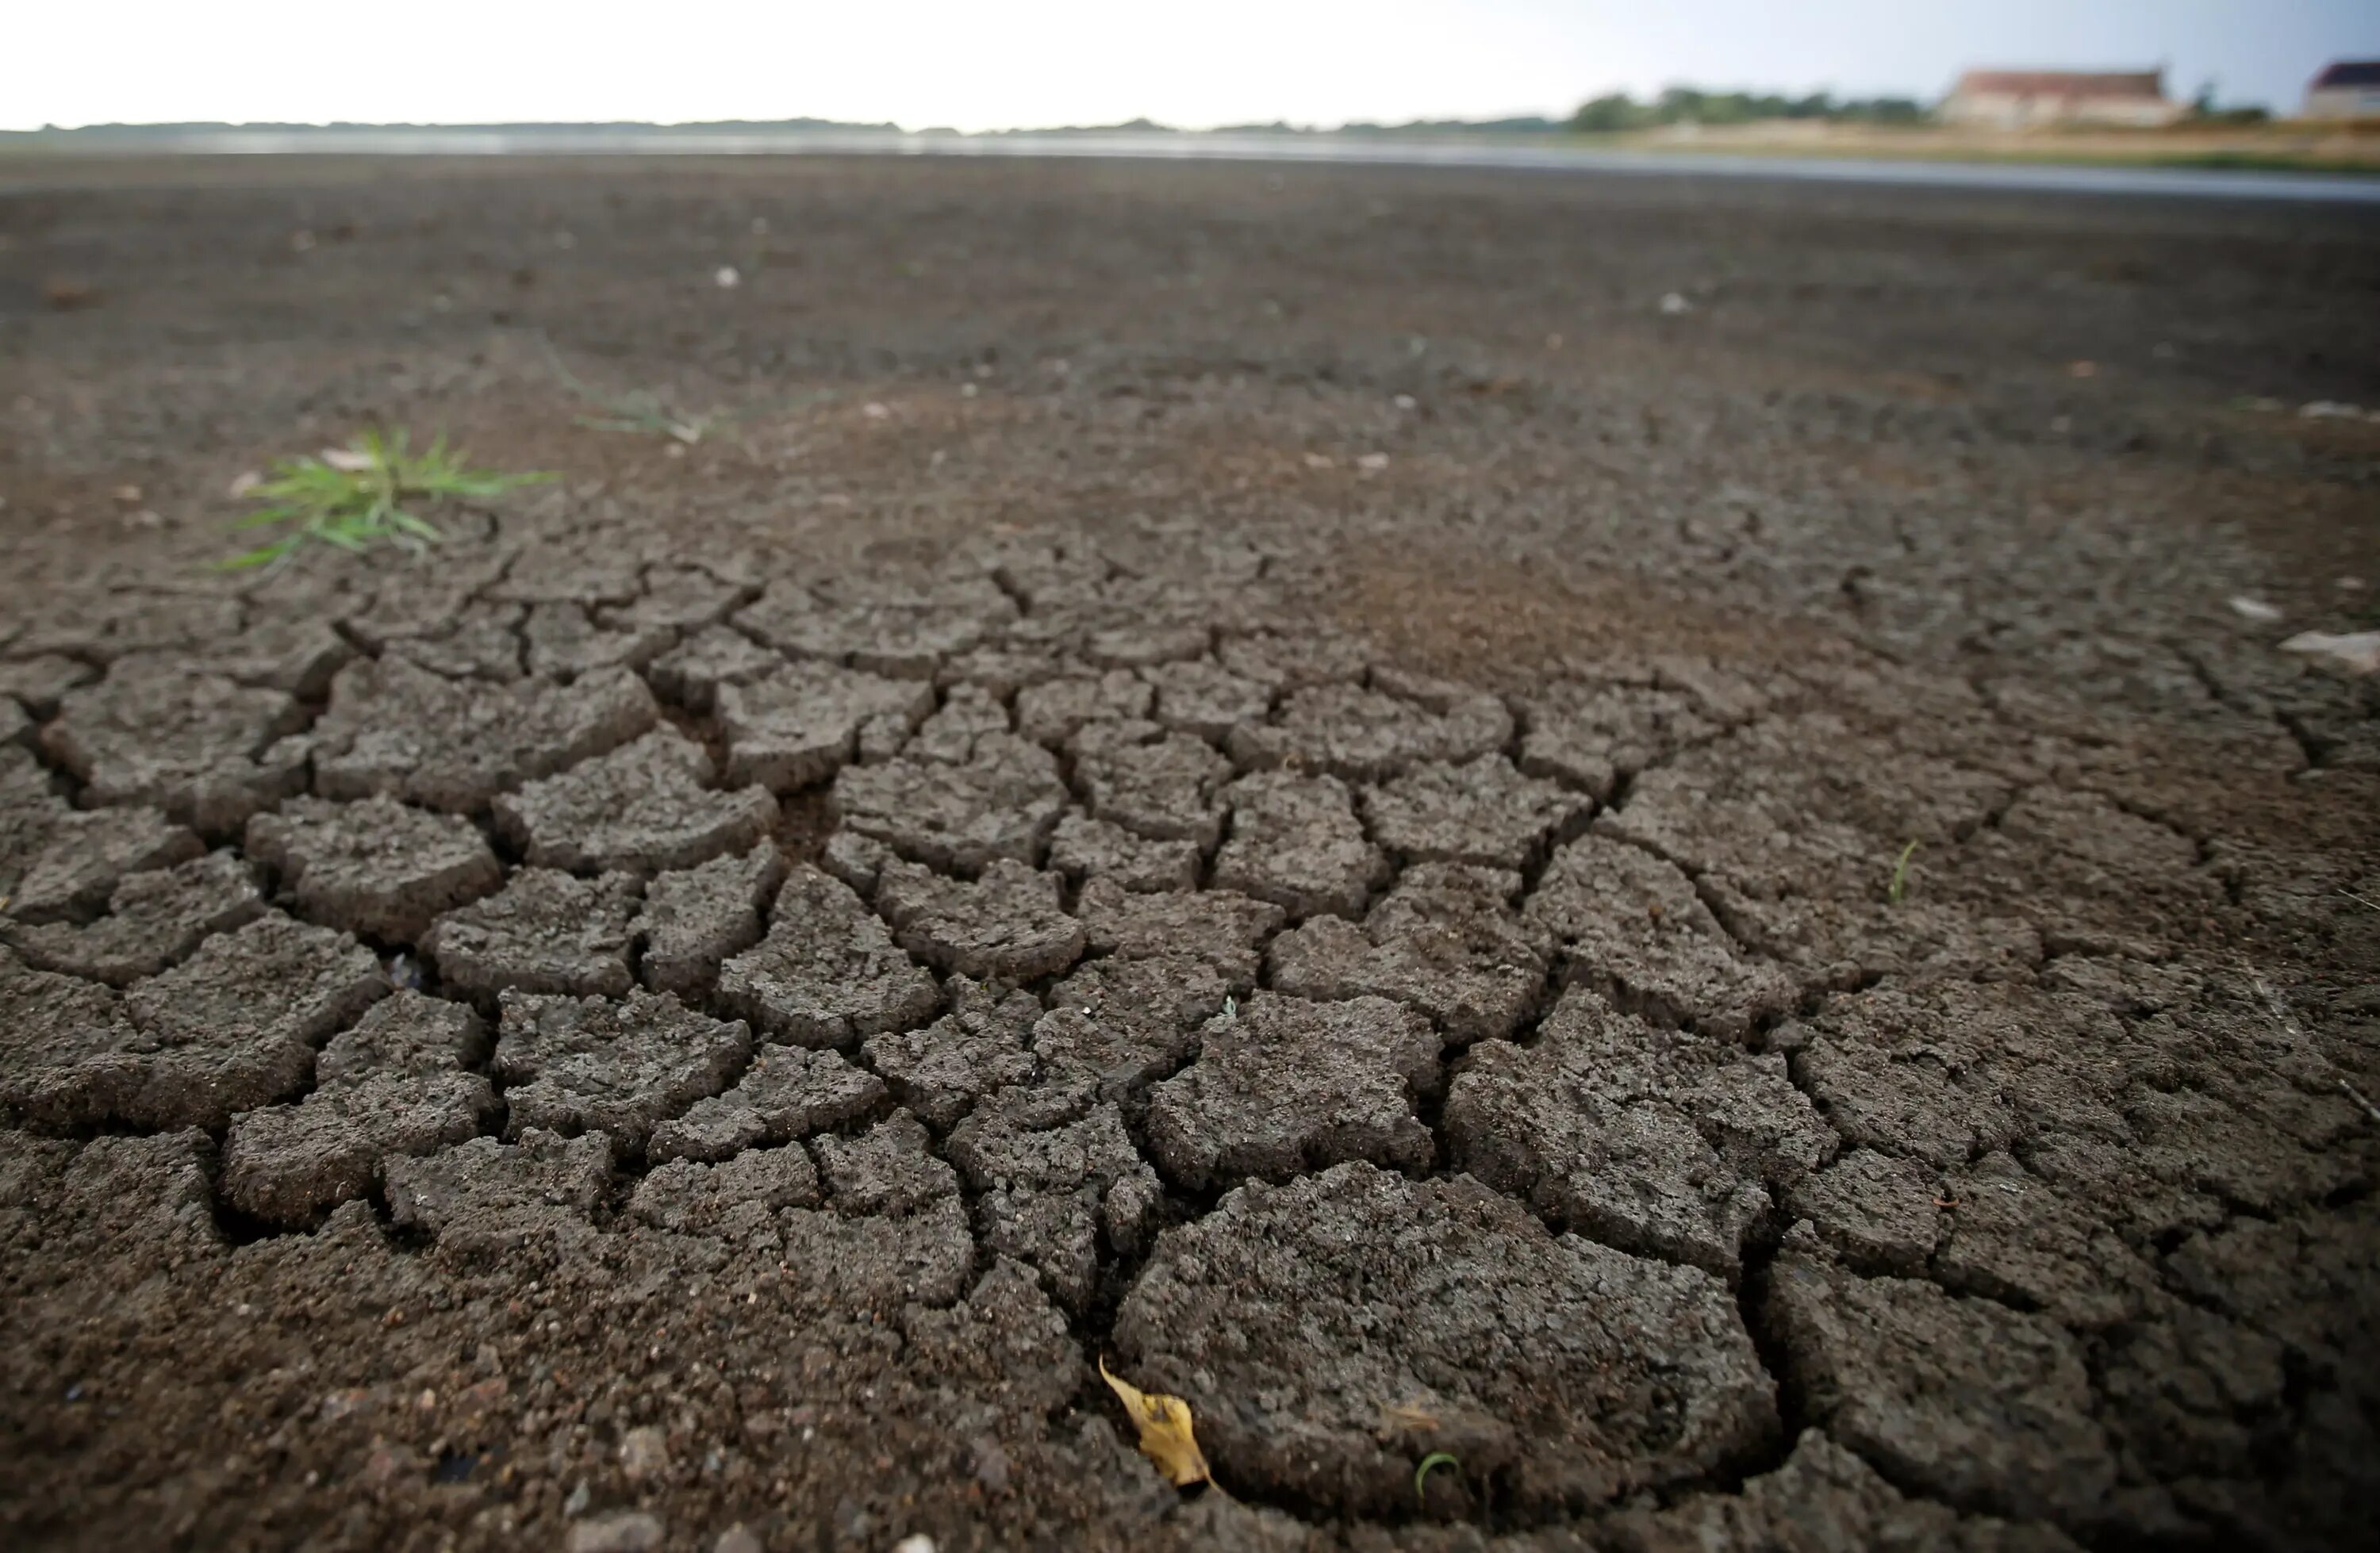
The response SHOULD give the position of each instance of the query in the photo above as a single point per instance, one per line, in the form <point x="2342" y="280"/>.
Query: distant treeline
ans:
<point x="153" y="131"/>
<point x="1678" y="105"/>
<point x="1685" y="104"/>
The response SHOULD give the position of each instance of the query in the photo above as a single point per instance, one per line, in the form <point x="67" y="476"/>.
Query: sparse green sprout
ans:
<point x="1421" y="1473"/>
<point x="1899" y="875"/>
<point x="638" y="409"/>
<point x="642" y="412"/>
<point x="648" y="413"/>
<point x="356" y="496"/>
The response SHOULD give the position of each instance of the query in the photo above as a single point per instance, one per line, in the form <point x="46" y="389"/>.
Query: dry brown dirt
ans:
<point x="1273" y="775"/>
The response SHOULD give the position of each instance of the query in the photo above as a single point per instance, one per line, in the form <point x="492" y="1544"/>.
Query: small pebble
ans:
<point x="644" y="1451"/>
<point x="629" y="1532"/>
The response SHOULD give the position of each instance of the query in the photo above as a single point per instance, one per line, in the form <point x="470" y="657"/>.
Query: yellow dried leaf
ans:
<point x="1165" y="1436"/>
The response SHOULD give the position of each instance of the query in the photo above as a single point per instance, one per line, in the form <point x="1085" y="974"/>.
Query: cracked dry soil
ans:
<point x="1264" y="773"/>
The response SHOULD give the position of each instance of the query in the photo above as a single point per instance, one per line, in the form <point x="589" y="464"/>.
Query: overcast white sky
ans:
<point x="995" y="64"/>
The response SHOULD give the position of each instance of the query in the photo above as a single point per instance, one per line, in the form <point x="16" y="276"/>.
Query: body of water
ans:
<point x="2012" y="176"/>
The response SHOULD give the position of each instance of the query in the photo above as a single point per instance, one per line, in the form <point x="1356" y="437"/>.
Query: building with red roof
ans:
<point x="2029" y="99"/>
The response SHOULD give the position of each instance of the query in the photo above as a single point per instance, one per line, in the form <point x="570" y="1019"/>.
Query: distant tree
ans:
<point x="1881" y="110"/>
<point x="1688" y="104"/>
<point x="1678" y="105"/>
<point x="1612" y="111"/>
<point x="2205" y="110"/>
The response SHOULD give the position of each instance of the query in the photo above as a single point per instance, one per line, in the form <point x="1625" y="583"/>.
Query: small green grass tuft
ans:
<point x="1421" y="1474"/>
<point x="1899" y="884"/>
<point x="645" y="412"/>
<point x="355" y="497"/>
<point x="640" y="410"/>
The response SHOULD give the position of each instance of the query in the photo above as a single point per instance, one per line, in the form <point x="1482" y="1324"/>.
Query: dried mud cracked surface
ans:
<point x="1712" y="919"/>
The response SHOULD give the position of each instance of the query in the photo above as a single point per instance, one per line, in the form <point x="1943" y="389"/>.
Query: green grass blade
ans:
<point x="404" y="522"/>
<point x="261" y="555"/>
<point x="1421" y="1474"/>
